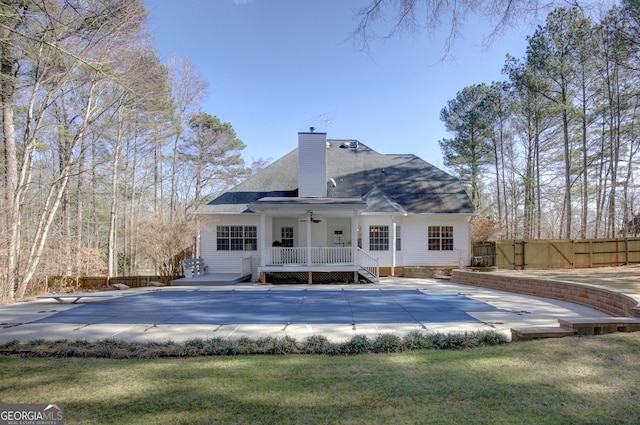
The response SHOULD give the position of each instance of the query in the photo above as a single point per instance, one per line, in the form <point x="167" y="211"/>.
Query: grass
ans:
<point x="587" y="380"/>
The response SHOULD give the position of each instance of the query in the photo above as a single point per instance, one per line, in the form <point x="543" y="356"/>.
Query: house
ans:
<point x="337" y="211"/>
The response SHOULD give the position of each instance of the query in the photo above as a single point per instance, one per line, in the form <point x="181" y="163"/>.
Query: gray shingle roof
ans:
<point x="388" y="183"/>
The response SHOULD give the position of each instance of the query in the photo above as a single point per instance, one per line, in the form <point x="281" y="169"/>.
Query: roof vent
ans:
<point x="345" y="145"/>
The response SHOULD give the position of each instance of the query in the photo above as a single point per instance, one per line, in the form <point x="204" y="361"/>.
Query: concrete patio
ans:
<point x="250" y="310"/>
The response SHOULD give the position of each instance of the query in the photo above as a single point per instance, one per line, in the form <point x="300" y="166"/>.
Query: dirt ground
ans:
<point x="623" y="278"/>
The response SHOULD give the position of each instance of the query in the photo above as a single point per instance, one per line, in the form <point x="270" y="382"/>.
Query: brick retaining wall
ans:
<point x="608" y="301"/>
<point x="426" y="272"/>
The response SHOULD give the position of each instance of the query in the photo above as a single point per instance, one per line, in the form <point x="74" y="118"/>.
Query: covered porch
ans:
<point x="312" y="235"/>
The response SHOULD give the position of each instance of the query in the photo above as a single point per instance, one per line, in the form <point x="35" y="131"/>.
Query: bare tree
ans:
<point x="167" y="240"/>
<point x="189" y="89"/>
<point x="50" y="51"/>
<point x="388" y="18"/>
<point x="135" y="108"/>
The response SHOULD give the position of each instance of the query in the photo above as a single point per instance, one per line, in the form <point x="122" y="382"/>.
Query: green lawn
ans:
<point x="588" y="380"/>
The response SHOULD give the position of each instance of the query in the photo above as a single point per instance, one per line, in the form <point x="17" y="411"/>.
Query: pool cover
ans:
<point x="223" y="307"/>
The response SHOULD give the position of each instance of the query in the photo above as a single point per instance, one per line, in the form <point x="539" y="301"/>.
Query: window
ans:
<point x="379" y="238"/>
<point x="237" y="238"/>
<point x="398" y="239"/>
<point x="337" y="237"/>
<point x="440" y="238"/>
<point x="286" y="236"/>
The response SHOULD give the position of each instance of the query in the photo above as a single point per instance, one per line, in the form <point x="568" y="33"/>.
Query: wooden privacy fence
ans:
<point x="91" y="282"/>
<point x="557" y="254"/>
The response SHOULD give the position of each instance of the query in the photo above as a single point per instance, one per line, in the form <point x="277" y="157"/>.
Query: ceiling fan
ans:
<point x="313" y="220"/>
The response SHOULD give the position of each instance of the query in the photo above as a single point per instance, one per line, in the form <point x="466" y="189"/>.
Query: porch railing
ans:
<point x="287" y="256"/>
<point x="331" y="255"/>
<point x="297" y="256"/>
<point x="369" y="263"/>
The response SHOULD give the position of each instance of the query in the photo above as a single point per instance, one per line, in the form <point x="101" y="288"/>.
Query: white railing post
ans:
<point x="354" y="238"/>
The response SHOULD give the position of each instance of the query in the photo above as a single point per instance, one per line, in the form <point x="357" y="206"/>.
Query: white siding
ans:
<point x="312" y="165"/>
<point x="414" y="250"/>
<point x="227" y="261"/>
<point x="377" y="220"/>
<point x="414" y="241"/>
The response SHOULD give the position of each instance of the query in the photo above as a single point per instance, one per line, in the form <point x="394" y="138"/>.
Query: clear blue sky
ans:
<point x="276" y="66"/>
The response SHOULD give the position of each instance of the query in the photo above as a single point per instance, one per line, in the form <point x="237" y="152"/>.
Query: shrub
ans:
<point x="276" y="345"/>
<point x="229" y="348"/>
<point x="492" y="337"/>
<point x="213" y="346"/>
<point x="416" y="340"/>
<point x="195" y="347"/>
<point x="316" y="344"/>
<point x="107" y="348"/>
<point x="358" y="344"/>
<point x="247" y="346"/>
<point x="387" y="343"/>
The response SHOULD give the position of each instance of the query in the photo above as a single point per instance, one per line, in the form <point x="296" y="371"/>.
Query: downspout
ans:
<point x="393" y="246"/>
<point x="309" y="238"/>
<point x="263" y="240"/>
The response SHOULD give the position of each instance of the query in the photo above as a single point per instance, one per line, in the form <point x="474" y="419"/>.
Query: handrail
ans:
<point x="369" y="263"/>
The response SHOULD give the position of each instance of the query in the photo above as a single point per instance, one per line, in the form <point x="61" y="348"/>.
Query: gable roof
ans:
<point x="395" y="184"/>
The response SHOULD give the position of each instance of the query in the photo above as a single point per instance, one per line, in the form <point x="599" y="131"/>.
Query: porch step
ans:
<point x="579" y="326"/>
<point x="600" y="325"/>
<point x="213" y="279"/>
<point x="371" y="278"/>
<point x="527" y="334"/>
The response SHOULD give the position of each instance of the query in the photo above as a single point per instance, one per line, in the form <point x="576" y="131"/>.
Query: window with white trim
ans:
<point x="379" y="238"/>
<point x="286" y="236"/>
<point x="398" y="238"/>
<point x="237" y="238"/>
<point x="440" y="238"/>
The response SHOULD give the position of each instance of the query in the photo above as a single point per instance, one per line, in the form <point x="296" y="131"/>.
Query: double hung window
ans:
<point x="286" y="236"/>
<point x="237" y="238"/>
<point x="440" y="238"/>
<point x="379" y="238"/>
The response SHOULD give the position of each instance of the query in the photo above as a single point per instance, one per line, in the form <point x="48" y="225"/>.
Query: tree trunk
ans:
<point x="567" y="164"/>
<point x="585" y="163"/>
<point x="11" y="196"/>
<point x="112" y="257"/>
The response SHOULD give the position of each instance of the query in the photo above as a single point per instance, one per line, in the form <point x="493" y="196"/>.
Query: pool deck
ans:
<point x="338" y="312"/>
